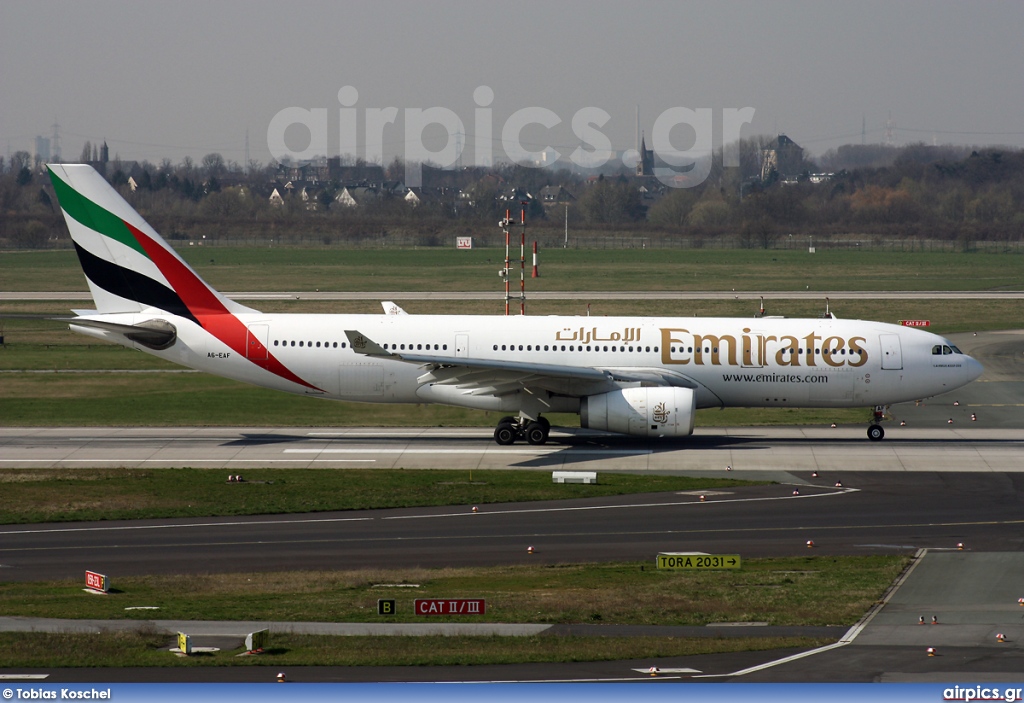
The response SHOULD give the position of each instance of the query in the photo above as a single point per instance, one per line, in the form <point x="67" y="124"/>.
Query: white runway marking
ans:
<point x="572" y="509"/>
<point x="127" y="528"/>
<point x="485" y="452"/>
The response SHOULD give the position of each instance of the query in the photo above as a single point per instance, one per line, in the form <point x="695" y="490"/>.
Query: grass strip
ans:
<point x="439" y="268"/>
<point x="803" y="590"/>
<point x="58" y="495"/>
<point x="148" y="648"/>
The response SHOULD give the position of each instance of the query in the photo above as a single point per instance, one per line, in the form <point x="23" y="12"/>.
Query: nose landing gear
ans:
<point x="510" y="429"/>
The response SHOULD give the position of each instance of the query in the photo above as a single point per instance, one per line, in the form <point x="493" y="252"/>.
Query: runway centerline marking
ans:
<point x="485" y="452"/>
<point x="568" y="509"/>
<point x="238" y="523"/>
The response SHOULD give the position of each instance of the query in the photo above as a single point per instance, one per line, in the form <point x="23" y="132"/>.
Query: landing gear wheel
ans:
<point x="508" y="419"/>
<point x="505" y="434"/>
<point x="536" y="433"/>
<point x="547" y="424"/>
<point x="875" y="433"/>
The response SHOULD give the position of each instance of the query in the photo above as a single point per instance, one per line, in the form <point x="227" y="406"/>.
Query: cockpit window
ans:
<point x="937" y="349"/>
<point x="946" y="349"/>
<point x="957" y="351"/>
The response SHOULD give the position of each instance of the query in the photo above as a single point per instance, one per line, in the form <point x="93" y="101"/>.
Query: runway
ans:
<point x="774" y="450"/>
<point x="870" y="513"/>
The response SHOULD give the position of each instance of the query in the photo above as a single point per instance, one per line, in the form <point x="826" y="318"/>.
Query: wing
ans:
<point x="498" y="377"/>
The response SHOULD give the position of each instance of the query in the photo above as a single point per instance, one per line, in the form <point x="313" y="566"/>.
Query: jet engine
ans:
<point x="642" y="412"/>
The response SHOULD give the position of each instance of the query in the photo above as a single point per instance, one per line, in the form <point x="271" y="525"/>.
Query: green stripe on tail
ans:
<point x="92" y="215"/>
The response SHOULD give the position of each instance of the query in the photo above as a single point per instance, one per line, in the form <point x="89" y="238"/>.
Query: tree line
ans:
<point x="916" y="191"/>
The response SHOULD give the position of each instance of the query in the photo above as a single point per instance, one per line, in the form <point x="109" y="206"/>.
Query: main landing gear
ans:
<point x="875" y="431"/>
<point x="510" y="429"/>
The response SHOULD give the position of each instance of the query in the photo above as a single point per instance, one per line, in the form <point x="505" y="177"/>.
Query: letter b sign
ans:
<point x="385" y="607"/>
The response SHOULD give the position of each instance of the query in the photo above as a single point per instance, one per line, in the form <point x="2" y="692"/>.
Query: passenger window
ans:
<point x="300" y="344"/>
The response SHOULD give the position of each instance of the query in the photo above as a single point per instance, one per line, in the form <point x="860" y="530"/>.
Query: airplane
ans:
<point x="637" y="376"/>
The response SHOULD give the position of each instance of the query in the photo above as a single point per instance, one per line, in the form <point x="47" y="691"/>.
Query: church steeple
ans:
<point x="645" y="160"/>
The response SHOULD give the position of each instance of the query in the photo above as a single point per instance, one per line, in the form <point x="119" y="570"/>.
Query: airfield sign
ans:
<point x="667" y="560"/>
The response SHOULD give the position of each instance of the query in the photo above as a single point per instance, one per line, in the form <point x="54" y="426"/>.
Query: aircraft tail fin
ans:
<point x="129" y="267"/>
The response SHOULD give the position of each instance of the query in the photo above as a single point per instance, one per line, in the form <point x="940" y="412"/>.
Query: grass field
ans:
<point x="805" y="590"/>
<point x="51" y="495"/>
<point x="781" y="591"/>
<point x="147" y="648"/>
<point x="332" y="269"/>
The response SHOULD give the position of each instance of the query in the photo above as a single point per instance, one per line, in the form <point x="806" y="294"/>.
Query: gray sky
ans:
<point x="183" y="78"/>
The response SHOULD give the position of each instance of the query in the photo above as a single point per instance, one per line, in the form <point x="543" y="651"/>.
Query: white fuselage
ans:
<point x="748" y="362"/>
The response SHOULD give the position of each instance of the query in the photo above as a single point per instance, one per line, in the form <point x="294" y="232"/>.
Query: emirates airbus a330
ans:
<point x="637" y="376"/>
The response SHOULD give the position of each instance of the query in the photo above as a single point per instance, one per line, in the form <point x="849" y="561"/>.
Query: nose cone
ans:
<point x="972" y="369"/>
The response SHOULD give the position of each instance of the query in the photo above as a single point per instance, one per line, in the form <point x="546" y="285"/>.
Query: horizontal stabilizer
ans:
<point x="155" y="334"/>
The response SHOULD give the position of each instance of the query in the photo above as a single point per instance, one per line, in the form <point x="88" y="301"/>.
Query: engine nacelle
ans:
<point x="642" y="412"/>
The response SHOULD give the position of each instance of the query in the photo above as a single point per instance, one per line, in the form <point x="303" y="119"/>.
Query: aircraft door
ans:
<point x="892" y="353"/>
<point x="462" y="345"/>
<point x="753" y="350"/>
<point x="256" y="342"/>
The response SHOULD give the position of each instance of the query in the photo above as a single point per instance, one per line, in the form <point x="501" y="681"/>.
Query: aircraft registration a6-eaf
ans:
<point x="637" y="376"/>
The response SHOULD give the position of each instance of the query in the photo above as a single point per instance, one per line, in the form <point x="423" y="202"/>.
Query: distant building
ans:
<point x="555" y="195"/>
<point x="43" y="149"/>
<point x="645" y="160"/>
<point x="781" y="160"/>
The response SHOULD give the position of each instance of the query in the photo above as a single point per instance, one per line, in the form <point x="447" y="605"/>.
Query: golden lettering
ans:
<point x="830" y="353"/>
<point x="784" y="359"/>
<point x="810" y="340"/>
<point x="667" y="340"/>
<point x="717" y="343"/>
<point x="857" y="350"/>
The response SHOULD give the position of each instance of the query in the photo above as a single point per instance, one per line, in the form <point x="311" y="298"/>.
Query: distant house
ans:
<point x="515" y="195"/>
<point x="555" y="195"/>
<point x="345" y="198"/>
<point x="276" y="198"/>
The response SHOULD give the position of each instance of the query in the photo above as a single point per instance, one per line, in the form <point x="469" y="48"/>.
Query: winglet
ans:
<point x="391" y="308"/>
<point x="361" y="344"/>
